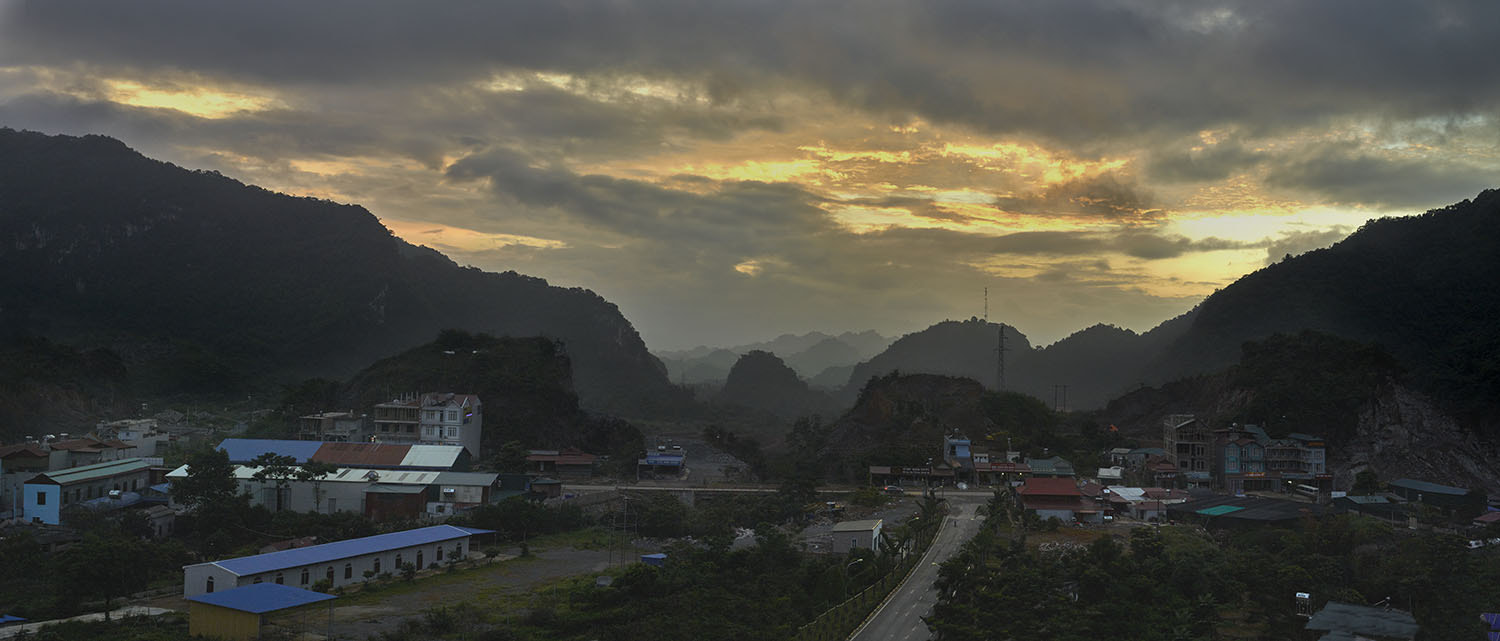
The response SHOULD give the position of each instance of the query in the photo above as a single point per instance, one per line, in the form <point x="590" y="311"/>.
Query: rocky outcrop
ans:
<point x="1402" y="434"/>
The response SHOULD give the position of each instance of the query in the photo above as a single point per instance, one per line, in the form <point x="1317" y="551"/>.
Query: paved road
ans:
<point x="900" y="618"/>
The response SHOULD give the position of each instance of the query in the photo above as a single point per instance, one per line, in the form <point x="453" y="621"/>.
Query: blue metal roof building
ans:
<point x="340" y="562"/>
<point x="237" y="614"/>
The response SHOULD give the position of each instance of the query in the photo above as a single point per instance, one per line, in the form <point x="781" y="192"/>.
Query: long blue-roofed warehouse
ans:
<point x="341" y="562"/>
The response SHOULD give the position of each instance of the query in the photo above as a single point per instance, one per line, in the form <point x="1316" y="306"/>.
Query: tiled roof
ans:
<point x="1049" y="487"/>
<point x="23" y="449"/>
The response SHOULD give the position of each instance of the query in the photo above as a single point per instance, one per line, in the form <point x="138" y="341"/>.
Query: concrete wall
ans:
<point x="1066" y="516"/>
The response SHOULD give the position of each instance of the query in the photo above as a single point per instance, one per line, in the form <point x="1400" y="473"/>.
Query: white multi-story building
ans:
<point x="452" y="419"/>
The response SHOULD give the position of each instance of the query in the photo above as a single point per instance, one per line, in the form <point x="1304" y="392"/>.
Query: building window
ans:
<point x="304" y="576"/>
<point x="419" y="559"/>
<point x="453" y="415"/>
<point x="330" y="575"/>
<point x="398" y="560"/>
<point x="257" y="579"/>
<point x="377" y="565"/>
<point x="452" y="432"/>
<point x="440" y="553"/>
<point x="348" y="570"/>
<point x="209" y="585"/>
<point x="41" y="498"/>
<point x="280" y="580"/>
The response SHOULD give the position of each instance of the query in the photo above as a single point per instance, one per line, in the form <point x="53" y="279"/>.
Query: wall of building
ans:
<point x="222" y="623"/>
<point x="42" y="502"/>
<point x="195" y="577"/>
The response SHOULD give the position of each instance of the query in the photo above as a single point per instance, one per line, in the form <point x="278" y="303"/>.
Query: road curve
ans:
<point x="900" y="617"/>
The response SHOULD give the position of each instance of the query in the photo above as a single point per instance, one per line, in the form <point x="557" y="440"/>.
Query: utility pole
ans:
<point x="986" y="304"/>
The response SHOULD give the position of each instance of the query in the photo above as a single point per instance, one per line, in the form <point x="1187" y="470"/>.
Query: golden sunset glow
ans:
<point x="198" y="101"/>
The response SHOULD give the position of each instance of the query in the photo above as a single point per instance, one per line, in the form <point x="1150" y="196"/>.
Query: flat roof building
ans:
<point x="856" y="534"/>
<point x="340" y="563"/>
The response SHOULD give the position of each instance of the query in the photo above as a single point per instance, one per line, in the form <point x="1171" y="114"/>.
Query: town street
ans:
<point x="900" y="617"/>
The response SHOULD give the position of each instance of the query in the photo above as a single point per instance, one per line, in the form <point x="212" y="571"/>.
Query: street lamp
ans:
<point x="846" y="575"/>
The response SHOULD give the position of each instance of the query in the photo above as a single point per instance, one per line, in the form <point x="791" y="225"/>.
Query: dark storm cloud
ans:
<point x="736" y="215"/>
<point x="1211" y="163"/>
<point x="1068" y="70"/>
<point x="1109" y="196"/>
<point x="1345" y="174"/>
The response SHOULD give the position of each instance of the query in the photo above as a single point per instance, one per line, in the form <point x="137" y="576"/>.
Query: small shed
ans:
<point x="237" y="615"/>
<point x="856" y="534"/>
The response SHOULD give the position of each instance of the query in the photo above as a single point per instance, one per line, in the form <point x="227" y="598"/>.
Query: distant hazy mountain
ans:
<point x="1423" y="287"/>
<point x="809" y="354"/>
<point x="202" y="284"/>
<point x="762" y="381"/>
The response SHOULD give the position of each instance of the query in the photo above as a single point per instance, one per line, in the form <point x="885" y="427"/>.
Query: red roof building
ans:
<point x="1057" y="498"/>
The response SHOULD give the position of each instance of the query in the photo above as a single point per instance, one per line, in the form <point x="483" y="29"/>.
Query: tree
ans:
<point x="315" y="471"/>
<point x="209" y="481"/>
<point x="106" y="567"/>
<point x="278" y="469"/>
<point x="1366" y="483"/>
<point x="511" y="458"/>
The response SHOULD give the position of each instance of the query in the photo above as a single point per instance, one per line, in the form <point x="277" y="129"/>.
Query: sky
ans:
<point x="729" y="171"/>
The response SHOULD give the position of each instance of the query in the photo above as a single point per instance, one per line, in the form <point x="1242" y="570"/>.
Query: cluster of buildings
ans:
<point x="434" y="418"/>
<point x="41" y="479"/>
<point x="382" y="481"/>
<point x="1240" y="459"/>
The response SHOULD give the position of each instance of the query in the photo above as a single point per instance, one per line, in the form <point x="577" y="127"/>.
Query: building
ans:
<point x="238" y="614"/>
<point x="18" y="463"/>
<point x="45" y="495"/>
<point x="341" y="563"/>
<point x="1242" y="511"/>
<point x="333" y="426"/>
<point x="856" y="534"/>
<point x="1057" y="498"/>
<point x="434" y="418"/>
<point x="1454" y="501"/>
<point x="568" y="463"/>
<point x="661" y="464"/>
<point x="1378" y="506"/>
<point x="452" y="419"/>
<point x="1187" y="443"/>
<point x="378" y="494"/>
<point x="1345" y="622"/>
<point x="1055" y="467"/>
<point x="374" y="456"/>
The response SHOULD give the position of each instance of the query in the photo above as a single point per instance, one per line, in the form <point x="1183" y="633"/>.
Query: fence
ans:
<point x="840" y="621"/>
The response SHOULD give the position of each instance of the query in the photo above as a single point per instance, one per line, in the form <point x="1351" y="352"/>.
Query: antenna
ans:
<point x="986" y="304"/>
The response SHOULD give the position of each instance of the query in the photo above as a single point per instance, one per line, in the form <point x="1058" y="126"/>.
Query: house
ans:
<point x="1055" y="467"/>
<point x="439" y="418"/>
<point x="452" y="419"/>
<point x="1345" y="622"/>
<point x="18" y="463"/>
<point x="238" y="614"/>
<point x="1057" y="498"/>
<point x="856" y="534"/>
<point x="341" y="563"/>
<point x="44" y="495"/>
<point x="1113" y="474"/>
<point x="77" y="452"/>
<point x="660" y="464"/>
<point x="1187" y="443"/>
<point x="344" y="490"/>
<point x="460" y="490"/>
<point x="333" y="426"/>
<point x="1487" y="519"/>
<point x="1163" y="472"/>
<point x="568" y="463"/>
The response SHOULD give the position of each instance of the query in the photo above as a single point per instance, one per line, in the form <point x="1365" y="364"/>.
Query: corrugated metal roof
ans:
<point x="466" y="478"/>
<point x="261" y="597"/>
<point x="362" y="454"/>
<point x="1049" y="487"/>
<point x="1424" y="486"/>
<point x="389" y="488"/>
<point x="433" y="456"/>
<point x="244" y="450"/>
<point x="95" y="471"/>
<point x="247" y="565"/>
<point x="1364" y="620"/>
